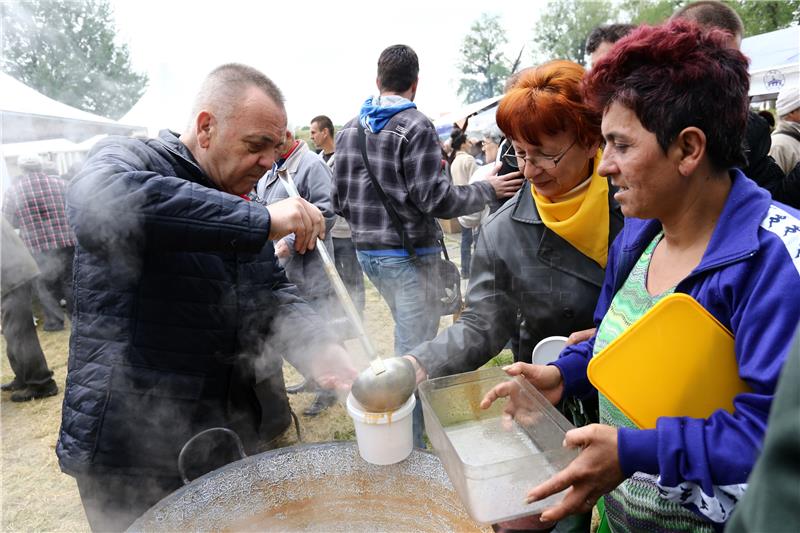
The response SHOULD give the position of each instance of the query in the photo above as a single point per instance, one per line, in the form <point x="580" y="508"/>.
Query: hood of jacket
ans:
<point x="378" y="110"/>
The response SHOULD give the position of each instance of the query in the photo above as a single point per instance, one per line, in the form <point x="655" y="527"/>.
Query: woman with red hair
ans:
<point x="540" y="259"/>
<point x="674" y="104"/>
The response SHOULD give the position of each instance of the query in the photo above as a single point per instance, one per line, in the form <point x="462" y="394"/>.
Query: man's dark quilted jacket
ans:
<point x="176" y="288"/>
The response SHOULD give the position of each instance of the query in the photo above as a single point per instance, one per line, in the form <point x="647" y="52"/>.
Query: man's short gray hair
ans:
<point x="225" y="84"/>
<point x="494" y="134"/>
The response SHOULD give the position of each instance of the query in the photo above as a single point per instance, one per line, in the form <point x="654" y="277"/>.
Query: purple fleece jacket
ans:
<point x="749" y="279"/>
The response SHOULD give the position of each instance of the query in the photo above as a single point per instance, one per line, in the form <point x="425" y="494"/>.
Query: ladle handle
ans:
<point x="339" y="288"/>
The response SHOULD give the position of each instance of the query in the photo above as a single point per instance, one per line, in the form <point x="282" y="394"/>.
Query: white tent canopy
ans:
<point x="774" y="61"/>
<point x="445" y="122"/>
<point x="27" y="115"/>
<point x="61" y="152"/>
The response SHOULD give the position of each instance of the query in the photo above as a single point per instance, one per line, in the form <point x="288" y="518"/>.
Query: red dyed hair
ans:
<point x="675" y="76"/>
<point x="547" y="100"/>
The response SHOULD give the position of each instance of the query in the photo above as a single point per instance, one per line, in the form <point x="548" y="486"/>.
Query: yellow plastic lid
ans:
<point x="676" y="360"/>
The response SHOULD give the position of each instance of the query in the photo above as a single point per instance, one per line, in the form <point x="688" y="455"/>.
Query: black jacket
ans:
<point x="176" y="288"/>
<point x="521" y="270"/>
<point x="763" y="169"/>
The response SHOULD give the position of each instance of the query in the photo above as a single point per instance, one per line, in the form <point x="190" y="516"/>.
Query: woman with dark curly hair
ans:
<point x="674" y="103"/>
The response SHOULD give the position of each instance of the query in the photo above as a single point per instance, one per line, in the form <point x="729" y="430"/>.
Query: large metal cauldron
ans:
<point x="314" y="487"/>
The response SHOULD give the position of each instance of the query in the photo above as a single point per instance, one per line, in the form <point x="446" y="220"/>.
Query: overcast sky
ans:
<point x="322" y="55"/>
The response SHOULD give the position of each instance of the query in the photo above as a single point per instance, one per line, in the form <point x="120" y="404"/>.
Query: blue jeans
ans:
<point x="409" y="289"/>
<point x="466" y="250"/>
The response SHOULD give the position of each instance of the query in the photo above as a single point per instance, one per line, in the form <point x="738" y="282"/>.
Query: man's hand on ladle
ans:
<point x="296" y="215"/>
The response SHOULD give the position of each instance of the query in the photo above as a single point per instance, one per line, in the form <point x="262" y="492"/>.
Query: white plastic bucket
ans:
<point x="383" y="438"/>
<point x="547" y="350"/>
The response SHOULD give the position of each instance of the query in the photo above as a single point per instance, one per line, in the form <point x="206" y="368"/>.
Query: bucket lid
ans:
<point x="359" y="414"/>
<point x="547" y="350"/>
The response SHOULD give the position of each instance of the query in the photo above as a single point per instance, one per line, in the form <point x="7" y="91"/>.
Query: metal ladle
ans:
<point x="384" y="385"/>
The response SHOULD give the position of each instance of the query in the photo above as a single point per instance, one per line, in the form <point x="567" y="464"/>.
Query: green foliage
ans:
<point x="562" y="30"/>
<point x="346" y="434"/>
<point x="484" y="66"/>
<point x="560" y="33"/>
<point x="649" y="11"/>
<point x="758" y="16"/>
<point x="765" y="16"/>
<point x="502" y="359"/>
<point x="66" y="50"/>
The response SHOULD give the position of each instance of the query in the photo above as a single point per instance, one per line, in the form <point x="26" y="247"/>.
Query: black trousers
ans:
<point x="54" y="283"/>
<point x="22" y="344"/>
<point x="344" y="255"/>
<point x="114" y="502"/>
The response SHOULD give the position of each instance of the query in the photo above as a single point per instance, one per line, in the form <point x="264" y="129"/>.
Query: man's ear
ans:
<point x="690" y="146"/>
<point x="205" y="127"/>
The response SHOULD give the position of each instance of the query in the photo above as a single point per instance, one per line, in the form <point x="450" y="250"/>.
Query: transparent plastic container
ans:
<point x="495" y="456"/>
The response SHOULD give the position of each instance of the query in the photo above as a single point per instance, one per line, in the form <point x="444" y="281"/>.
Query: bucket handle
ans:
<point x="232" y="434"/>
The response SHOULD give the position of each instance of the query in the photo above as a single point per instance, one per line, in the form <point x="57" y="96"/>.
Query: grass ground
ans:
<point x="36" y="496"/>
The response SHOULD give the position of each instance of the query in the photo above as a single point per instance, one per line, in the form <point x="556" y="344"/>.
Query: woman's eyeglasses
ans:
<point x="544" y="162"/>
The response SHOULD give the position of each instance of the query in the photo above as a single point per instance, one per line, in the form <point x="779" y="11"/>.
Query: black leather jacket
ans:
<point x="523" y="276"/>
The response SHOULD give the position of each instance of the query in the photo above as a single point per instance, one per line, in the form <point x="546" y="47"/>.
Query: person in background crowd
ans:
<point x="343" y="249"/>
<point x="759" y="165"/>
<point x="462" y="166"/>
<point x="32" y="378"/>
<point x="49" y="167"/>
<point x="602" y="38"/>
<point x="674" y="103"/>
<point x="786" y="137"/>
<point x="762" y="168"/>
<point x="476" y="149"/>
<point x="769" y="117"/>
<point x="312" y="177"/>
<point x="36" y="204"/>
<point x="542" y="255"/>
<point x="180" y="301"/>
<point x="492" y="138"/>
<point x="405" y="158"/>
<point x="770" y="503"/>
<point x="714" y="14"/>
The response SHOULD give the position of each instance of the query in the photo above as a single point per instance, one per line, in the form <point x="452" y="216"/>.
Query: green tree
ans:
<point x="758" y="16"/>
<point x="66" y="50"/>
<point x="560" y="33"/>
<point x="762" y="17"/>
<point x="483" y="64"/>
<point x="649" y="11"/>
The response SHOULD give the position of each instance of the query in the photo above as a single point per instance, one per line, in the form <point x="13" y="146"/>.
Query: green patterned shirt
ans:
<point x="635" y="505"/>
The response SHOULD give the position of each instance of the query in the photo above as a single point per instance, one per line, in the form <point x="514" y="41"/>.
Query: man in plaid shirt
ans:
<point x="404" y="154"/>
<point x="36" y="205"/>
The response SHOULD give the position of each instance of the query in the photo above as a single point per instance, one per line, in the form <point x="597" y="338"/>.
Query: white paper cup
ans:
<point x="383" y="438"/>
<point x="547" y="350"/>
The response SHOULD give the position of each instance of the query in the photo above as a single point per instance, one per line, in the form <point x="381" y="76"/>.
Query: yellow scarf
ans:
<point x="581" y="219"/>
